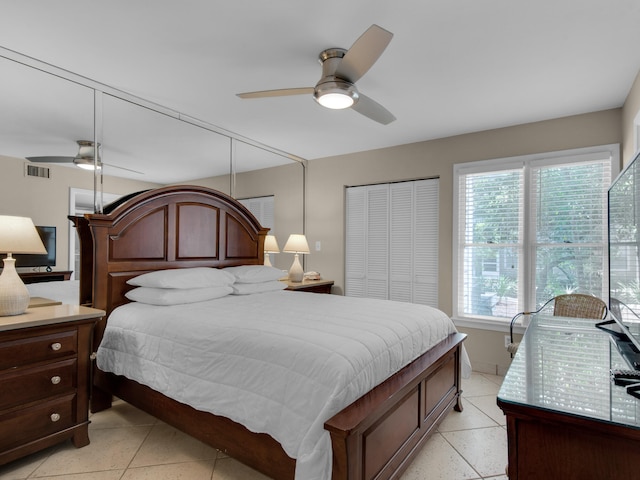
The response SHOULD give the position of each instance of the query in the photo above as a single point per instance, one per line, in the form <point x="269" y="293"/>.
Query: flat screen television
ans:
<point x="624" y="261"/>
<point x="48" y="236"/>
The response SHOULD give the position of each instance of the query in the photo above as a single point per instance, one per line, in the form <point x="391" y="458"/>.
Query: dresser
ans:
<point x="566" y="419"/>
<point x="44" y="378"/>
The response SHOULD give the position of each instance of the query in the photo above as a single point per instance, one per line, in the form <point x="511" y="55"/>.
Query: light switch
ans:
<point x="317" y="245"/>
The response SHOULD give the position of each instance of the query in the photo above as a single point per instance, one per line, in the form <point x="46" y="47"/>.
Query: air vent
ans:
<point x="35" y="171"/>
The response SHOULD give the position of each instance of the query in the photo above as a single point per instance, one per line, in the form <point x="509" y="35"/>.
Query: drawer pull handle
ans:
<point x="55" y="380"/>
<point x="56" y="346"/>
<point x="55" y="417"/>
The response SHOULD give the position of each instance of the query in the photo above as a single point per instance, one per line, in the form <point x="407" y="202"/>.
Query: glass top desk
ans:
<point x="565" y="417"/>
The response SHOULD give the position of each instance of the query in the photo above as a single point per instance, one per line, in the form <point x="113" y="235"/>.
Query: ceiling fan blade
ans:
<point x="363" y="53"/>
<point x="277" y="93"/>
<point x="50" y="159"/>
<point x="372" y="109"/>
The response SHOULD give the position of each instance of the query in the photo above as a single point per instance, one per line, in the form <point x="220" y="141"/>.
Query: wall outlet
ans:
<point x="507" y="341"/>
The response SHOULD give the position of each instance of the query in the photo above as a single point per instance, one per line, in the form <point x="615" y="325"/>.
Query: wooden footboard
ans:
<point x="376" y="437"/>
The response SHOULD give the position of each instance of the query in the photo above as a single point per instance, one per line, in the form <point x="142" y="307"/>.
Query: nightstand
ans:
<point x="44" y="378"/>
<point x="313" y="286"/>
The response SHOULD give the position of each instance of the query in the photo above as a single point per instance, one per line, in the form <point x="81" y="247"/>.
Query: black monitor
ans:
<point x="48" y="237"/>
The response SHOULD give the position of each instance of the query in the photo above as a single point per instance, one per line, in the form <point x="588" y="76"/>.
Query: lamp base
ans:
<point x="295" y="272"/>
<point x="267" y="259"/>
<point x="14" y="296"/>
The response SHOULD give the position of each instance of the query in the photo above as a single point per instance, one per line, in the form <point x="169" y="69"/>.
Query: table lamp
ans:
<point x="17" y="235"/>
<point x="270" y="246"/>
<point x="296" y="244"/>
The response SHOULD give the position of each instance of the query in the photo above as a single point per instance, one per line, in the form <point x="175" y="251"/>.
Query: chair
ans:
<point x="575" y="305"/>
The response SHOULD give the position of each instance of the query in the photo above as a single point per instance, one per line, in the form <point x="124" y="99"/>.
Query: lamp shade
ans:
<point x="296" y="244"/>
<point x="271" y="244"/>
<point x="19" y="235"/>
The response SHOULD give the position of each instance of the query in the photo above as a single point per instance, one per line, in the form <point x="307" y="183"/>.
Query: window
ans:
<point x="392" y="241"/>
<point x="262" y="209"/>
<point x="528" y="229"/>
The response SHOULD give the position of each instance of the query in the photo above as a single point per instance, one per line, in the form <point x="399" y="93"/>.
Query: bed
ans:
<point x="374" y="436"/>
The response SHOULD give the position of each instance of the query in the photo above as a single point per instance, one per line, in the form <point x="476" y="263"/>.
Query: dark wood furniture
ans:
<point x="313" y="286"/>
<point x="565" y="417"/>
<point x="189" y="226"/>
<point x="44" y="378"/>
<point x="39" y="277"/>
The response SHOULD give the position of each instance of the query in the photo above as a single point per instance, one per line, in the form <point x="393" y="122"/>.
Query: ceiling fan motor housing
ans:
<point x="331" y="91"/>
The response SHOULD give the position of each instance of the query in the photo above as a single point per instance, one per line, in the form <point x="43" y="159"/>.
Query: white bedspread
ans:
<point x="279" y="362"/>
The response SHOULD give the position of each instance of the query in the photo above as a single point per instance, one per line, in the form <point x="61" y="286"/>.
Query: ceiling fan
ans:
<point x="84" y="158"/>
<point x="341" y="69"/>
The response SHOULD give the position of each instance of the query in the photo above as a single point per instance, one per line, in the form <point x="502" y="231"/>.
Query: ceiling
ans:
<point x="452" y="67"/>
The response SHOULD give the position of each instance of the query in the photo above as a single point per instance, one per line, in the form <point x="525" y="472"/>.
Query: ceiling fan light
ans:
<point x="335" y="101"/>
<point x="85" y="164"/>
<point x="336" y="94"/>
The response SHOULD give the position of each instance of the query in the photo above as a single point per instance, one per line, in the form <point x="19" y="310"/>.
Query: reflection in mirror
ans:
<point x="283" y="181"/>
<point x="42" y="115"/>
<point x="46" y="110"/>
<point x="158" y="147"/>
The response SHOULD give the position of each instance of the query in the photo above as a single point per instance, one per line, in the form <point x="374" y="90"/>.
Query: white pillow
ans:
<point x="255" y="273"/>
<point x="249" y="288"/>
<point x="176" y="296"/>
<point x="184" y="278"/>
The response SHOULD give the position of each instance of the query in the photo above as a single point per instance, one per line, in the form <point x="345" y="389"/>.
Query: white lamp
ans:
<point x="270" y="246"/>
<point x="17" y="235"/>
<point x="296" y="244"/>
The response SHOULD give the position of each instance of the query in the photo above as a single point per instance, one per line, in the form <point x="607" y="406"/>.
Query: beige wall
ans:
<point x="327" y="178"/>
<point x="630" y="110"/>
<point x="46" y="200"/>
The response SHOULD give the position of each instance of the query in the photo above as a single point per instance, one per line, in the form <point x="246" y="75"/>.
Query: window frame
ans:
<point x="525" y="163"/>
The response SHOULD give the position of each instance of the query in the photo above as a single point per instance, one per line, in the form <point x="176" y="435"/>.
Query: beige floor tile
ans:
<point x="177" y="471"/>
<point x="119" y="415"/>
<point x="470" y="417"/>
<point x="487" y="404"/>
<point x="479" y="384"/>
<point x="484" y="448"/>
<point x="106" y="475"/>
<point x="230" y="469"/>
<point x="110" y="449"/>
<point x="165" y="444"/>
<point x="21" y="469"/>
<point x="438" y="460"/>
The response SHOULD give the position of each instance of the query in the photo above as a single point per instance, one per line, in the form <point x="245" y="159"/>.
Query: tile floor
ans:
<point x="127" y="444"/>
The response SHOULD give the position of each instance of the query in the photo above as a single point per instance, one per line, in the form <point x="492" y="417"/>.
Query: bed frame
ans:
<point x="376" y="437"/>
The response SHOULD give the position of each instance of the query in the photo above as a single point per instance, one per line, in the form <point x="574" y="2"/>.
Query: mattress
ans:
<point x="62" y="291"/>
<point x="280" y="362"/>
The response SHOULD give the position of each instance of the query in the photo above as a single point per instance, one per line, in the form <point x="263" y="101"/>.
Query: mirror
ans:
<point x="46" y="110"/>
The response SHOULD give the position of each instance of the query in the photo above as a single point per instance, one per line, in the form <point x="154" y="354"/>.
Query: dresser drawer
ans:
<point x="19" y="386"/>
<point x="24" y="425"/>
<point x="31" y="349"/>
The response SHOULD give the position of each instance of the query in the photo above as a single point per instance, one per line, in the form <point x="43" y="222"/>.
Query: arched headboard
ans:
<point x="169" y="227"/>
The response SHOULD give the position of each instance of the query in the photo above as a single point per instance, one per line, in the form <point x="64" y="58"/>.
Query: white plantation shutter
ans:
<point x="392" y="241"/>
<point x="262" y="209"/>
<point x="530" y="228"/>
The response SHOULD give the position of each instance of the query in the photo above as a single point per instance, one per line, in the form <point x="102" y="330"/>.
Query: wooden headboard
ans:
<point x="170" y="227"/>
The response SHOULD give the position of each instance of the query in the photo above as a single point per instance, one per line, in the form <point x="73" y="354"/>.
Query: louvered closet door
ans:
<point x="392" y="241"/>
<point x="425" y="245"/>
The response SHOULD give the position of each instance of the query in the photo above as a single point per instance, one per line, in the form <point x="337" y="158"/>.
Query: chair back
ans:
<point x="579" y="305"/>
